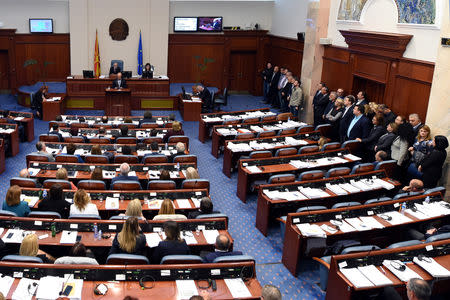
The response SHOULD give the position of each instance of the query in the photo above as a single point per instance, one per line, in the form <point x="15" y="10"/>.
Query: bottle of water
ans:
<point x="166" y="147"/>
<point x="178" y="166"/>
<point x="95" y="231"/>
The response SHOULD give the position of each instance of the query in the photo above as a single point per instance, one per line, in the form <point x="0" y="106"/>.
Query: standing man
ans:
<point x="273" y="87"/>
<point x="319" y="103"/>
<point x="115" y="69"/>
<point x="296" y="99"/>
<point x="266" y="75"/>
<point x="361" y="98"/>
<point x="281" y="84"/>
<point x="347" y="116"/>
<point x="286" y="92"/>
<point x="119" y="83"/>
<point x="330" y="105"/>
<point x="359" y="126"/>
<point x="340" y="93"/>
<point x="416" y="123"/>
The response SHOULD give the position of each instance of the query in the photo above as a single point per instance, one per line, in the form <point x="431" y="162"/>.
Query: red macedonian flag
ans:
<point x="97" y="70"/>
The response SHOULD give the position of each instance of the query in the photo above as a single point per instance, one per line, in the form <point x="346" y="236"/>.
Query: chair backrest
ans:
<point x="49" y="138"/>
<point x="260" y="154"/>
<point x="362" y="168"/>
<point x="308" y="149"/>
<point x="251" y="120"/>
<point x="188" y="158"/>
<point x="22" y="259"/>
<point x="335" y="172"/>
<point x="119" y="63"/>
<point x="388" y="166"/>
<point x="233" y="258"/>
<point x="126" y="185"/>
<point x="376" y="200"/>
<point x="48" y="183"/>
<point x="131" y="159"/>
<point x="169" y="124"/>
<point x="179" y="138"/>
<point x="149" y="125"/>
<point x="286" y="151"/>
<point x="284" y="116"/>
<point x="331" y="146"/>
<point x="23" y="182"/>
<point x="209" y="216"/>
<point x="7" y="213"/>
<point x="152" y="139"/>
<point x="66" y="158"/>
<point x="99" y="141"/>
<point x="85" y="216"/>
<point x="36" y="157"/>
<point x="352" y="145"/>
<point x="155" y="159"/>
<point x="407" y="194"/>
<point x="243" y="136"/>
<point x="345" y="204"/>
<point x="324" y="129"/>
<point x="364" y="248"/>
<point x="225" y="96"/>
<point x="438" y="237"/>
<point x="44" y="214"/>
<point x="161" y="185"/>
<point x="269" y="118"/>
<point x="96" y="159"/>
<point x="305" y="129"/>
<point x="231" y="122"/>
<point x="195" y="184"/>
<point x="311" y="208"/>
<point x="266" y="134"/>
<point x="74" y="139"/>
<point x="310" y="175"/>
<point x="181" y="259"/>
<point x="281" y="178"/>
<point x="126" y="259"/>
<point x="288" y="131"/>
<point x="439" y="189"/>
<point x="126" y="140"/>
<point x="91" y="185"/>
<point x="122" y="217"/>
<point x="404" y="244"/>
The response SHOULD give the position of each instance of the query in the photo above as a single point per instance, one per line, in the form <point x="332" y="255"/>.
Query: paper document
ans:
<point x="349" y="188"/>
<point x="155" y="204"/>
<point x="68" y="237"/>
<point x="313" y="230"/>
<point x="31" y="200"/>
<point x="13" y="236"/>
<point x="237" y="288"/>
<point x="49" y="287"/>
<point x="405" y="275"/>
<point x="346" y="227"/>
<point x="374" y="275"/>
<point x="431" y="266"/>
<point x="196" y="202"/>
<point x="356" y="277"/>
<point x="328" y="229"/>
<point x="112" y="203"/>
<point x="186" y="289"/>
<point x="352" y="157"/>
<point x="253" y="169"/>
<point x="25" y="289"/>
<point x="76" y="284"/>
<point x="210" y="236"/>
<point x="5" y="284"/>
<point x="183" y="203"/>
<point x="189" y="237"/>
<point x="396" y="218"/>
<point x="18" y="118"/>
<point x="371" y="222"/>
<point x="358" y="224"/>
<point x="336" y="189"/>
<point x="153" y="239"/>
<point x="384" y="184"/>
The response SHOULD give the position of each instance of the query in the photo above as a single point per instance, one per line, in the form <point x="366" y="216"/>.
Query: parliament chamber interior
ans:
<point x="252" y="149"/>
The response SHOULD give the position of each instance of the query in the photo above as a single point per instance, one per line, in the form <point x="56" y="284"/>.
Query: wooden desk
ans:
<point x="2" y="156"/>
<point x="268" y="209"/>
<point x="51" y="109"/>
<point x="295" y="244"/>
<point x="117" y="102"/>
<point x="89" y="93"/>
<point x="204" y="128"/>
<point x="27" y="122"/>
<point x="164" y="288"/>
<point x="13" y="137"/>
<point x="340" y="288"/>
<point x="189" y="110"/>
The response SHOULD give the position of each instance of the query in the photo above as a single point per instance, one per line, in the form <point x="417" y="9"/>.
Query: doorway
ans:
<point x="373" y="89"/>
<point x="242" y="71"/>
<point x="4" y="70"/>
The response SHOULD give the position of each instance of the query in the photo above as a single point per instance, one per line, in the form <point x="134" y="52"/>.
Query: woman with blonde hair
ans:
<point x="129" y="239"/>
<point x="30" y="247"/>
<point x="82" y="204"/>
<point x="176" y="130"/>
<point x="63" y="175"/>
<point x="13" y="204"/>
<point x="191" y="173"/>
<point x="167" y="212"/>
<point x="134" y="209"/>
<point x="422" y="147"/>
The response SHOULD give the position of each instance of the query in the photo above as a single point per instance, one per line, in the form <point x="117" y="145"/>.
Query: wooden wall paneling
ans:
<point x="287" y="52"/>
<point x="262" y="57"/>
<point x="336" y="68"/>
<point x="371" y="68"/>
<point x="7" y="43"/>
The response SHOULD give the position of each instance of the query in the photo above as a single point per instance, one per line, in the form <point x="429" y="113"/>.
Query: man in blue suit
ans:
<point x="124" y="170"/>
<point x="359" y="125"/>
<point x="222" y="246"/>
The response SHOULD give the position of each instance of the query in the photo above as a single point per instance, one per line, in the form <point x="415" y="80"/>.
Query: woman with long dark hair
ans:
<point x="130" y="240"/>
<point x="55" y="201"/>
<point x="431" y="166"/>
<point x="172" y="245"/>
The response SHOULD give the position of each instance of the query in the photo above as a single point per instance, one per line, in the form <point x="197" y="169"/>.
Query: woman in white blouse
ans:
<point x="82" y="204"/>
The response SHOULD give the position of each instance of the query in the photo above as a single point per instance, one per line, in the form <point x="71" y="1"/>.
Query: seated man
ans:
<point x="41" y="149"/>
<point x="416" y="289"/>
<point x="222" y="246"/>
<point x="124" y="170"/>
<point x="126" y="150"/>
<point x="154" y="147"/>
<point x="206" y="207"/>
<point x="105" y="119"/>
<point x="119" y="82"/>
<point x="181" y="148"/>
<point x="24" y="173"/>
<point x="415" y="185"/>
<point x="270" y="292"/>
<point x="381" y="156"/>
<point x="55" y="131"/>
<point x="148" y="118"/>
<point x="115" y="69"/>
<point x="123" y="131"/>
<point x="71" y="151"/>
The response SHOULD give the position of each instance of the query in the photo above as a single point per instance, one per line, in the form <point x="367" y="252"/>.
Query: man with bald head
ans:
<point x="124" y="170"/>
<point x="24" y="173"/>
<point x="270" y="292"/>
<point x="222" y="246"/>
<point x="415" y="185"/>
<point x="416" y="289"/>
<point x="119" y="83"/>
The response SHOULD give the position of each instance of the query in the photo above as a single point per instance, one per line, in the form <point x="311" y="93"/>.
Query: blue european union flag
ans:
<point x="140" y="66"/>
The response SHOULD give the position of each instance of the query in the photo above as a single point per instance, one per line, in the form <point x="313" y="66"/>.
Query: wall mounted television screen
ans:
<point x="185" y="24"/>
<point x="210" y="24"/>
<point x="41" y="25"/>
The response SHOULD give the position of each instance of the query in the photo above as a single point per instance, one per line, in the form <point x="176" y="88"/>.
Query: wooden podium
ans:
<point x="118" y="102"/>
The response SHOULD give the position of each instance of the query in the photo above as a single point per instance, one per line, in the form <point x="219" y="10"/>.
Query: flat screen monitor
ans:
<point x="88" y="74"/>
<point x="41" y="25"/>
<point x="209" y="24"/>
<point x="127" y="74"/>
<point x="185" y="24"/>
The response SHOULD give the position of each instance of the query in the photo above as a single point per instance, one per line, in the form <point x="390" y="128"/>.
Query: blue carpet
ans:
<point x="266" y="250"/>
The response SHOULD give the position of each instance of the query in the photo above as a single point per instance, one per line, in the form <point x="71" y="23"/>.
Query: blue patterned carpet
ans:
<point x="266" y="250"/>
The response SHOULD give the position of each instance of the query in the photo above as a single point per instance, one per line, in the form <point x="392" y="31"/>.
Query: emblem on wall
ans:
<point x="118" y="29"/>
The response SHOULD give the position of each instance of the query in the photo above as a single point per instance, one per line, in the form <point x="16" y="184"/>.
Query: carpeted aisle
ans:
<point x="266" y="250"/>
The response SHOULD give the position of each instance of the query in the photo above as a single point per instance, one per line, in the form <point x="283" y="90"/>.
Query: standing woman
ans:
<point x="431" y="166"/>
<point x="38" y="97"/>
<point x="333" y="117"/>
<point x="296" y="99"/>
<point x="129" y="240"/>
<point x="399" y="149"/>
<point x="421" y="148"/>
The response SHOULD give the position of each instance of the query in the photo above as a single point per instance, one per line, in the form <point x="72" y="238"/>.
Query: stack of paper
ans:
<point x="313" y="230"/>
<point x="299" y="164"/>
<point x="358" y="224"/>
<point x="49" y="287"/>
<point x="360" y="185"/>
<point x="25" y="289"/>
<point x="68" y="237"/>
<point x="31" y="200"/>
<point x="253" y="169"/>
<point x="188" y="236"/>
<point x="13" y="235"/>
<point x="328" y="229"/>
<point x="153" y="239"/>
<point x="374" y="275"/>
<point x="346" y="227"/>
<point x="237" y="288"/>
<point x="396" y="218"/>
<point x="336" y="189"/>
<point x="313" y="193"/>
<point x="186" y="289"/>
<point x="183" y="203"/>
<point x="352" y="157"/>
<point x="349" y="188"/>
<point x="431" y="266"/>
<point x="5" y="284"/>
<point x="112" y="203"/>
<point x="18" y="118"/>
<point x="256" y="128"/>
<point x="33" y="171"/>
<point x="155" y="203"/>
<point x="371" y="222"/>
<point x="291" y="141"/>
<point x="356" y="277"/>
<point x="210" y="236"/>
<point x="404" y="275"/>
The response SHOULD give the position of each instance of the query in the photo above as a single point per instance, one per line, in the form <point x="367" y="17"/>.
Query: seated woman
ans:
<point x="55" y="201"/>
<point x="63" y="175"/>
<point x="191" y="173"/>
<point x="129" y="240"/>
<point x="164" y="175"/>
<point x="30" y="247"/>
<point x="78" y="255"/>
<point x="82" y="204"/>
<point x="172" y="245"/>
<point x="176" y="130"/>
<point x="13" y="204"/>
<point x="97" y="174"/>
<point x="167" y="212"/>
<point x="134" y="209"/>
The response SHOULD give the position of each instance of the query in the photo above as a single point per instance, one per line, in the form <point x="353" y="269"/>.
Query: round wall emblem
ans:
<point x="118" y="29"/>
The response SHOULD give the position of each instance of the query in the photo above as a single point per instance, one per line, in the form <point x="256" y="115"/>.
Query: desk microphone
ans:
<point x="368" y="253"/>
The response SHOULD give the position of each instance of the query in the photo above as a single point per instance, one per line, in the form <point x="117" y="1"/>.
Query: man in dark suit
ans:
<point x="416" y="123"/>
<point x="205" y="95"/>
<point x="266" y="75"/>
<point x="206" y="207"/>
<point x="320" y="101"/>
<point x="361" y="98"/>
<point x="55" y="131"/>
<point x="119" y="83"/>
<point x="273" y="86"/>
<point x="148" y="118"/>
<point x="222" y="246"/>
<point x="359" y="125"/>
<point x="123" y="131"/>
<point x="124" y="170"/>
<point x="115" y="69"/>
<point x="347" y="116"/>
<point x="286" y="92"/>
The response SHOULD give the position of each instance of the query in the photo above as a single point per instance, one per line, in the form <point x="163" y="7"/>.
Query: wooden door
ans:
<point x="242" y="71"/>
<point x="4" y="70"/>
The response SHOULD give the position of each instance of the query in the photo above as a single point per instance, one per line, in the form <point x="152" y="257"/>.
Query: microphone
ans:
<point x="368" y="253"/>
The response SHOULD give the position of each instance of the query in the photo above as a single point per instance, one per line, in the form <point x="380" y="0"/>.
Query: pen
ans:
<point x="384" y="272"/>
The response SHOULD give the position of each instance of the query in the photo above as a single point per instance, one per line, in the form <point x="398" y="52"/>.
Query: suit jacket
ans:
<point x="287" y="90"/>
<point x="62" y="207"/>
<point x="417" y="128"/>
<point x="363" y="102"/>
<point x="432" y="167"/>
<point x="268" y="74"/>
<point x="196" y="213"/>
<point x="345" y="121"/>
<point x="172" y="133"/>
<point x="205" y="95"/>
<point x="320" y="102"/>
<point x="60" y="137"/>
<point x="169" y="248"/>
<point x="374" y="135"/>
<point x="385" y="141"/>
<point x="112" y="71"/>
<point x="123" y="177"/>
<point x="123" y="84"/>
<point x="329" y="107"/>
<point x="210" y="257"/>
<point x="360" y="129"/>
<point x="274" y="82"/>
<point x="389" y="118"/>
<point x="152" y="120"/>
